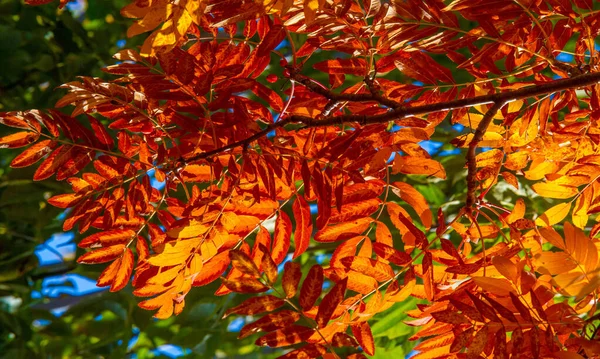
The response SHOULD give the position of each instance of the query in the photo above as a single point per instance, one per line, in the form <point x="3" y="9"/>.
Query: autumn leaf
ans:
<point x="303" y="229"/>
<point x="362" y="333"/>
<point x="311" y="287"/>
<point x="292" y="273"/>
<point x="256" y="305"/>
<point x="330" y="302"/>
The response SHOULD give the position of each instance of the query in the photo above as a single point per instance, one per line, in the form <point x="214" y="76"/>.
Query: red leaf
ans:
<point x="123" y="272"/>
<point x="311" y="287"/>
<point x="271" y="40"/>
<point x="54" y="161"/>
<point x="330" y="302"/>
<point x="290" y="335"/>
<point x="256" y="305"/>
<point x="243" y="263"/>
<point x="244" y="285"/>
<point x="391" y="254"/>
<point x="102" y="255"/>
<point x="270" y="322"/>
<point x="33" y="154"/>
<point x="353" y="66"/>
<point x="107" y="238"/>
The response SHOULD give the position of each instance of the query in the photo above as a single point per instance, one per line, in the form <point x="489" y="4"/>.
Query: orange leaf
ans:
<point x="107" y="238"/>
<point x="102" y="255"/>
<point x="65" y="200"/>
<point x="268" y="266"/>
<point x="212" y="269"/>
<point x="370" y="267"/>
<point x="18" y="139"/>
<point x="391" y="254"/>
<point x="311" y="287"/>
<point x="330" y="303"/>
<point x="303" y="225"/>
<point x="256" y="305"/>
<point x="345" y="249"/>
<point x="498" y="286"/>
<point x="354" y="210"/>
<point x="418" y="166"/>
<point x="353" y="66"/>
<point x="416" y="200"/>
<point x="33" y="154"/>
<point x="362" y="333"/>
<point x="197" y="173"/>
<point x="281" y="237"/>
<point x="124" y="272"/>
<point x="343" y="230"/>
<point x="383" y="234"/>
<point x="107" y="276"/>
<point x="506" y="267"/>
<point x="292" y="273"/>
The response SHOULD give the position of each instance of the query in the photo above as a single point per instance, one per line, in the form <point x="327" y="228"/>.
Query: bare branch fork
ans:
<point x="398" y="112"/>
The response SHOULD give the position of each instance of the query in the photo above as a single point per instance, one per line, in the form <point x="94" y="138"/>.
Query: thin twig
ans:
<point x="471" y="163"/>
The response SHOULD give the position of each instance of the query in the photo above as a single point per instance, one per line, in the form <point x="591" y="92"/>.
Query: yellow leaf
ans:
<point x="194" y="229"/>
<point x="539" y="169"/>
<point x="554" y="215"/>
<point x="551" y="189"/>
<point x="174" y="253"/>
<point x="490" y="139"/>
<point x="491" y="158"/>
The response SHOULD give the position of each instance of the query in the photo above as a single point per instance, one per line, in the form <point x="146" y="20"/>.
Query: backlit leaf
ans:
<point x="330" y="302"/>
<point x="256" y="305"/>
<point x="311" y="287"/>
<point x="304" y="226"/>
<point x="362" y="333"/>
<point x="292" y="274"/>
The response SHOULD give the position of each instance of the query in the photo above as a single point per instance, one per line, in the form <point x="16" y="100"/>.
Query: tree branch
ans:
<point x="404" y="112"/>
<point x="350" y="97"/>
<point x="471" y="163"/>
